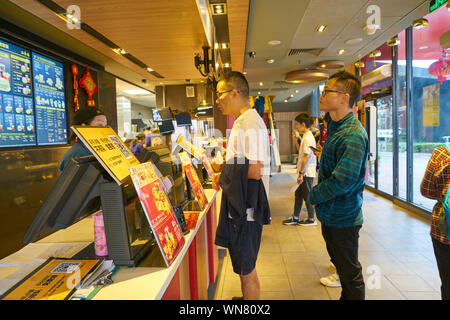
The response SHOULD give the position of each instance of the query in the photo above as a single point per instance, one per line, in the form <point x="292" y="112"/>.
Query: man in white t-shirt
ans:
<point x="249" y="140"/>
<point x="306" y="168"/>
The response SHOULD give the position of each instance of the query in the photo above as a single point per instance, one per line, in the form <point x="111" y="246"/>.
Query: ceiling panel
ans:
<point x="165" y="35"/>
<point x="344" y="19"/>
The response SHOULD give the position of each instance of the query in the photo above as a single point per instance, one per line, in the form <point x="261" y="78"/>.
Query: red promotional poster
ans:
<point x="194" y="180"/>
<point x="208" y="166"/>
<point x="158" y="210"/>
<point x="197" y="153"/>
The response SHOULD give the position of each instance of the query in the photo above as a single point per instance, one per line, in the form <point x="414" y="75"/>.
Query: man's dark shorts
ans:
<point x="245" y="239"/>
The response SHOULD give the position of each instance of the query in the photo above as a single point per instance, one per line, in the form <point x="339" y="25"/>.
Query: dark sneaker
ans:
<point x="291" y="221"/>
<point x="307" y="223"/>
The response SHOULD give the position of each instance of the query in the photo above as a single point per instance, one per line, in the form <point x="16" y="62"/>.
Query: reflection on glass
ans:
<point x="431" y="99"/>
<point x="384" y="144"/>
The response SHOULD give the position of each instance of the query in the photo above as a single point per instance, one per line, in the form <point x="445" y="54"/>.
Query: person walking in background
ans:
<point x="338" y="195"/>
<point x="315" y="128"/>
<point x="148" y="137"/>
<point x="306" y="168"/>
<point x="435" y="185"/>
<point x="137" y="146"/>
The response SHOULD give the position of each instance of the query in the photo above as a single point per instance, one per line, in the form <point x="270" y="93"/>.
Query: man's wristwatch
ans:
<point x="302" y="173"/>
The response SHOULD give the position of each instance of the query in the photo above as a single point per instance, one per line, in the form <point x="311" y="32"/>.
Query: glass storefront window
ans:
<point x="431" y="98"/>
<point x="377" y="91"/>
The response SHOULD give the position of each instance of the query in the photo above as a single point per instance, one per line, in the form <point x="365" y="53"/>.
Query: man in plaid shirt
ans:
<point x="338" y="195"/>
<point x="435" y="185"/>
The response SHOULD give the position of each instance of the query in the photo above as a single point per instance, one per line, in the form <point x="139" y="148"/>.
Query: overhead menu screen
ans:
<point x="48" y="79"/>
<point x="17" y="123"/>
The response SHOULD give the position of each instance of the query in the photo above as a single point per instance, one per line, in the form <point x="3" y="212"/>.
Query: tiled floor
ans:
<point x="395" y="251"/>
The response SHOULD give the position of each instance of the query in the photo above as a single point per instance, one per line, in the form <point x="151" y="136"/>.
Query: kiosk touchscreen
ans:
<point x="74" y="196"/>
<point x="83" y="188"/>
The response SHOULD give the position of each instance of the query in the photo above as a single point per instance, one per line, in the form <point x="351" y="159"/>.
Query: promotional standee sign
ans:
<point x="158" y="210"/>
<point x="194" y="180"/>
<point x="196" y="153"/>
<point x="109" y="150"/>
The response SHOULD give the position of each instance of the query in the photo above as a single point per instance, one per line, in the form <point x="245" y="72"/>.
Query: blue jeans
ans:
<point x="342" y="246"/>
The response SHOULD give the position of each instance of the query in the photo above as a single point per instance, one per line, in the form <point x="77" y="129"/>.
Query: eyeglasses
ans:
<point x="324" y="92"/>
<point x="219" y="94"/>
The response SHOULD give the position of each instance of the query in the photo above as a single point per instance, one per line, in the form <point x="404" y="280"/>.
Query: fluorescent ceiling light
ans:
<point x="137" y="91"/>
<point x="274" y="42"/>
<point x="204" y="108"/>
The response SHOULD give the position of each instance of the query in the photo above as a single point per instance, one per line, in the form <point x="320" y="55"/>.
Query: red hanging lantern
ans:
<point x="88" y="84"/>
<point x="74" y="70"/>
<point x="440" y="69"/>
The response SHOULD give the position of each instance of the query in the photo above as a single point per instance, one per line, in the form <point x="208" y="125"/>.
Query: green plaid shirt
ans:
<point x="338" y="195"/>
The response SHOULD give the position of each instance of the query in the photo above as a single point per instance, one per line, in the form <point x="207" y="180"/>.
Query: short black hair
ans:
<point x="350" y="84"/>
<point x="86" y="115"/>
<point x="236" y="80"/>
<point x="304" y="118"/>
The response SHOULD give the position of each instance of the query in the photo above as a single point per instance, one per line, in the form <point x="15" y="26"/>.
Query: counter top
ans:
<point x="129" y="283"/>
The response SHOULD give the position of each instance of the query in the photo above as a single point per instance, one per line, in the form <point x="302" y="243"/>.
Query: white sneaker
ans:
<point x="331" y="281"/>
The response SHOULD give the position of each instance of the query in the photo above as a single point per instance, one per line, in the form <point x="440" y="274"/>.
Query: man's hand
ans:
<point x="254" y="170"/>
<point x="300" y="179"/>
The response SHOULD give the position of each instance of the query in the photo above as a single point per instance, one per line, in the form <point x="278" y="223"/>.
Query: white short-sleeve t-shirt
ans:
<point x="249" y="138"/>
<point x="307" y="142"/>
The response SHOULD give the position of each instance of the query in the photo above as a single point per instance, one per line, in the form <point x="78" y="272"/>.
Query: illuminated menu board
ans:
<point x="17" y="123"/>
<point x="48" y="80"/>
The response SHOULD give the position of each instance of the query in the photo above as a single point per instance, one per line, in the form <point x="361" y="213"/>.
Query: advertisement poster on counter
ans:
<point x="196" y="185"/>
<point x="56" y="279"/>
<point x="197" y="153"/>
<point x="109" y="150"/>
<point x="158" y="210"/>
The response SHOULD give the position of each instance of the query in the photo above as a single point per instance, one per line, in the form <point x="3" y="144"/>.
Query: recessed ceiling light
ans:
<point x="219" y="8"/>
<point x="342" y="51"/>
<point x="292" y="95"/>
<point x="274" y="42"/>
<point x="119" y="51"/>
<point x="261" y="84"/>
<point x="149" y="69"/>
<point x="270" y="61"/>
<point x="423" y="47"/>
<point x="321" y="28"/>
<point x="226" y="65"/>
<point x="285" y="100"/>
<point x="224" y="45"/>
<point x="296" y="91"/>
<point x="259" y="92"/>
